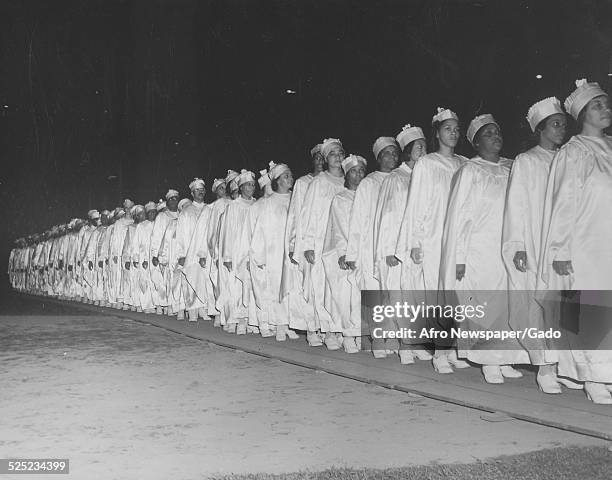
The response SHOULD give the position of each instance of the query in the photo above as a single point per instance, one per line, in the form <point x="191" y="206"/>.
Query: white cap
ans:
<point x="479" y="122"/>
<point x="217" y="182"/>
<point x="381" y="143"/>
<point x="352" y="161"/>
<point x="408" y="135"/>
<point x="231" y="175"/>
<point x="171" y="193"/>
<point x="196" y="183"/>
<point x="444" y="114"/>
<point x="150" y="206"/>
<point x="93" y="214"/>
<point x="584" y="93"/>
<point x="543" y="109"/>
<point x="245" y="176"/>
<point x="127" y="204"/>
<point x="328" y="144"/>
<point x="160" y="205"/>
<point x="183" y="203"/>
<point x="264" y="179"/>
<point x="316" y="149"/>
<point x="276" y="170"/>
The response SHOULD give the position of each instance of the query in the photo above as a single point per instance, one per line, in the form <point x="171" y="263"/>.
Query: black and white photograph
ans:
<point x="306" y="239"/>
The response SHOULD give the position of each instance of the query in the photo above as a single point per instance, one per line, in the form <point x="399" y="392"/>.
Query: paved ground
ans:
<point x="126" y="400"/>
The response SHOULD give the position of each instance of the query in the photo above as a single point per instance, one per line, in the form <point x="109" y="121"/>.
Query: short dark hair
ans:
<point x="434" y="143"/>
<point x="274" y="184"/>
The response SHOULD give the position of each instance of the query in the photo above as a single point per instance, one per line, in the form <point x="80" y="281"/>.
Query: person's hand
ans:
<point x="291" y="258"/>
<point x="563" y="267"/>
<point x="342" y="263"/>
<point x="135" y="264"/>
<point x="202" y="262"/>
<point x="351" y="265"/>
<point x="78" y="263"/>
<point x="127" y="265"/>
<point x="181" y="261"/>
<point x="100" y="263"/>
<point x="106" y="261"/>
<point x="392" y="261"/>
<point x="520" y="261"/>
<point x="309" y="255"/>
<point x="115" y="259"/>
<point x="70" y="268"/>
<point x="460" y="269"/>
<point x="228" y="265"/>
<point x="155" y="261"/>
<point x="61" y="264"/>
<point x="416" y="254"/>
<point x="145" y="264"/>
<point x="90" y="265"/>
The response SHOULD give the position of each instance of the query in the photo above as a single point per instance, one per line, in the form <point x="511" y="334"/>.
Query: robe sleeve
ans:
<point x="159" y="227"/>
<point x="513" y="235"/>
<point x="293" y="216"/>
<point x="183" y="231"/>
<point x="309" y="214"/>
<point x="359" y="219"/>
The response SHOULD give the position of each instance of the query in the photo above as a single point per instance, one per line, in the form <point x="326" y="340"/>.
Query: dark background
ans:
<point x="100" y="100"/>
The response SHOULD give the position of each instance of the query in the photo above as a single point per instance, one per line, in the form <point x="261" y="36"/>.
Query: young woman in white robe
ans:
<point x="160" y="274"/>
<point x="360" y="247"/>
<point x="522" y="232"/>
<point x="390" y="209"/>
<point x="577" y="233"/>
<point x="234" y="255"/>
<point x="471" y="262"/>
<point x="267" y="253"/>
<point x="420" y="240"/>
<point x="309" y="246"/>
<point x="342" y="295"/>
<point x="302" y="314"/>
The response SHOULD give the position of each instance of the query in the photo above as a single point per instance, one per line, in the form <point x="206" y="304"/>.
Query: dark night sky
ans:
<point x="152" y="93"/>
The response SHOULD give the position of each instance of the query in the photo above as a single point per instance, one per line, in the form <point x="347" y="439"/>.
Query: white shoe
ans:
<point x="180" y="315"/>
<point x="406" y="357"/>
<point x="266" y="332"/>
<point x="241" y="330"/>
<point x="281" y="335"/>
<point x="292" y="335"/>
<point x="331" y="341"/>
<point x="509" y="371"/>
<point x="349" y="345"/>
<point x="217" y="322"/>
<point x="455" y="361"/>
<point x="598" y="393"/>
<point x="572" y="385"/>
<point x="492" y="374"/>
<point x="422" y="355"/>
<point x="314" y="339"/>
<point x="379" y="353"/>
<point x="548" y="384"/>
<point x="441" y="365"/>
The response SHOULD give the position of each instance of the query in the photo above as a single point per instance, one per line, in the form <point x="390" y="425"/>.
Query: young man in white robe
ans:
<point x="301" y="312"/>
<point x="187" y="219"/>
<point x="136" y="213"/>
<point x="471" y="263"/>
<point x="267" y="253"/>
<point x="420" y="241"/>
<point x="116" y="251"/>
<point x="160" y="274"/>
<point x="360" y="247"/>
<point x="141" y="258"/>
<point x="234" y="252"/>
<point x="86" y="275"/>
<point x="522" y="232"/>
<point x="91" y="259"/>
<point x="309" y="245"/>
<point x="342" y="295"/>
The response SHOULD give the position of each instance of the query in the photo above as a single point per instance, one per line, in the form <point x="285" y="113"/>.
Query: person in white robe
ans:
<point x="212" y="238"/>
<point x="575" y="250"/>
<point x="194" y="304"/>
<point x="117" y="240"/>
<point x="219" y="275"/>
<point x="267" y="253"/>
<point x="86" y="275"/>
<point x="522" y="232"/>
<point x="301" y="312"/>
<point x="141" y="258"/>
<point x="99" y="255"/>
<point x="103" y="259"/>
<point x="420" y="240"/>
<point x="234" y="252"/>
<point x="471" y="262"/>
<point x="342" y="293"/>
<point x="127" y="274"/>
<point x="160" y="274"/>
<point x="309" y="245"/>
<point x="91" y="258"/>
<point x="360" y="252"/>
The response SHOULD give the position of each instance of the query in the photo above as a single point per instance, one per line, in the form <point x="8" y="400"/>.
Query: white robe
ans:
<point x="315" y="215"/>
<point x="301" y="312"/>
<point x="472" y="236"/>
<point x="142" y="254"/>
<point x="360" y="245"/>
<point x="577" y="227"/>
<point x="213" y="230"/>
<point x="390" y="208"/>
<point x="197" y="277"/>
<point x="170" y="269"/>
<point x="185" y="227"/>
<point x="267" y="253"/>
<point x="523" y="232"/>
<point x="160" y="275"/>
<point x="342" y="296"/>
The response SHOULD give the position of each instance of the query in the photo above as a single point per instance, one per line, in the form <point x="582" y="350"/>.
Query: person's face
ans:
<point x="597" y="113"/>
<point x="104" y="219"/>
<point x="220" y="191"/>
<point x="285" y="180"/>
<point x="198" y="194"/>
<point x="247" y="189"/>
<point x="489" y="139"/>
<point x="318" y="162"/>
<point x="151" y="214"/>
<point x="335" y="156"/>
<point x="554" y="128"/>
<point x="418" y="149"/>
<point x="235" y="194"/>
<point x="388" y="158"/>
<point x="448" y="133"/>
<point x="172" y="204"/>
<point x="355" y="175"/>
<point x="140" y="216"/>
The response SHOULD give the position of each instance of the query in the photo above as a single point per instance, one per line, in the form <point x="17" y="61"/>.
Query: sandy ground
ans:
<point x="125" y="400"/>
